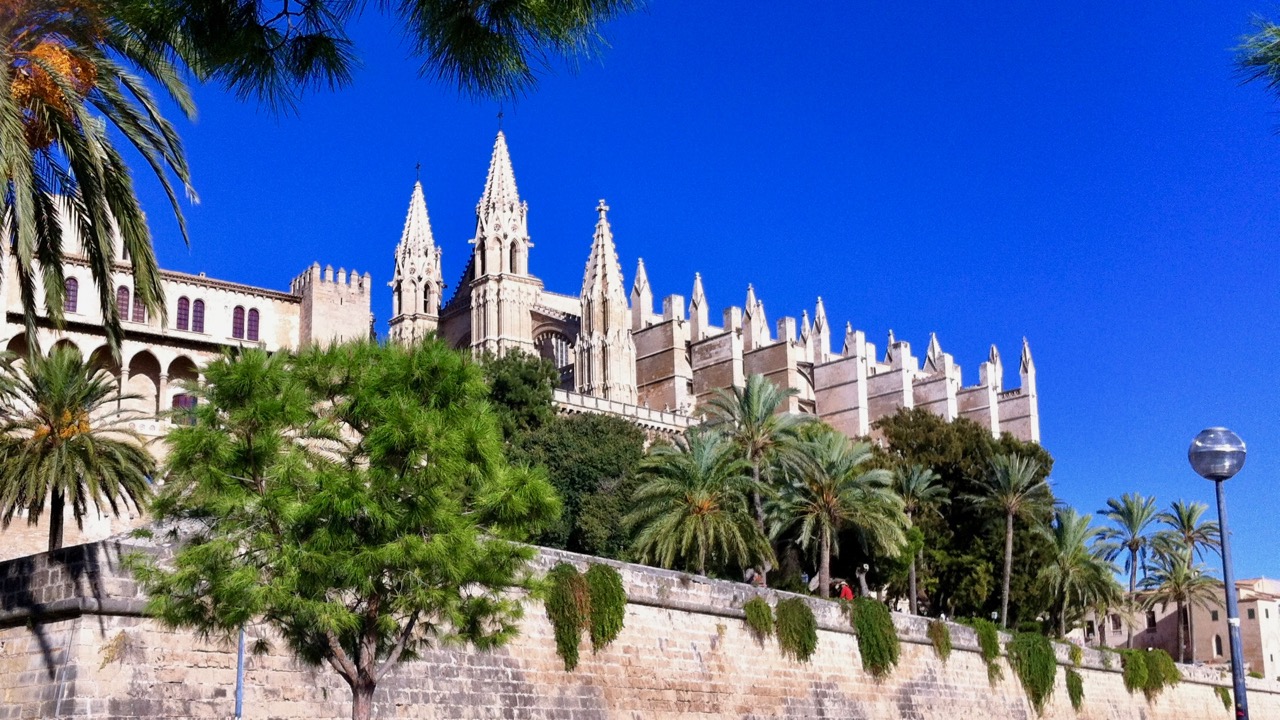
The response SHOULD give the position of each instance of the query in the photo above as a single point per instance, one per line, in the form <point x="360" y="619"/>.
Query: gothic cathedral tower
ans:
<point x="503" y="293"/>
<point x="605" y="362"/>
<point x="418" y="283"/>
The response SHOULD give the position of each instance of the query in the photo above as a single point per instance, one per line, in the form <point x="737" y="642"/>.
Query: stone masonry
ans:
<point x="74" y="643"/>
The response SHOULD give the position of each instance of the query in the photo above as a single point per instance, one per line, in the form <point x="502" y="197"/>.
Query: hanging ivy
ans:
<point x="1135" y="669"/>
<point x="608" y="604"/>
<point x="1077" y="655"/>
<point x="877" y="637"/>
<point x="1224" y="695"/>
<point x="989" y="646"/>
<point x="796" y="628"/>
<point x="568" y="606"/>
<point x="940" y="635"/>
<point x="1034" y="662"/>
<point x="1075" y="688"/>
<point x="759" y="618"/>
<point x="1161" y="673"/>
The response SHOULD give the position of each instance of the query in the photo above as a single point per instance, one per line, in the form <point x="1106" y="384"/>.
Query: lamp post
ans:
<point x="1217" y="454"/>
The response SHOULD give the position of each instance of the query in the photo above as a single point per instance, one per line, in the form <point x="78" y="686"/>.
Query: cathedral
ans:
<point x="616" y="354"/>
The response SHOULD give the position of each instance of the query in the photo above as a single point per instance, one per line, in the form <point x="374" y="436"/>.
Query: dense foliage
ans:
<point x="568" y="608"/>
<point x="796" y="628"/>
<point x="521" y="388"/>
<point x="1075" y="688"/>
<point x="877" y="637"/>
<point x="1077" y="655"/>
<point x="1033" y="660"/>
<point x="759" y="617"/>
<point x="1161" y="673"/>
<point x="940" y="635"/>
<point x="608" y="604"/>
<point x="356" y="500"/>
<point x="989" y="647"/>
<point x="1224" y="695"/>
<point x="1134" y="664"/>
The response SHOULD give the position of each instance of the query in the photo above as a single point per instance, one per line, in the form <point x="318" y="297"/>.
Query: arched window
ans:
<point x="237" y="323"/>
<point x="1217" y="646"/>
<point x="139" y="310"/>
<point x="197" y="316"/>
<point x="253" y="324"/>
<point x="184" y="313"/>
<point x="122" y="302"/>
<point x="71" y="288"/>
<point x="513" y="268"/>
<point x="184" y="409"/>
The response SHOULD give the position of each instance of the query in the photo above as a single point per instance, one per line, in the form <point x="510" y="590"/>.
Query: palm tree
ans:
<point x="72" y="77"/>
<point x="1129" y="535"/>
<point x="1077" y="576"/>
<point x="63" y="440"/>
<point x="693" y="505"/>
<point x="920" y="492"/>
<point x="1014" y="489"/>
<point x="1176" y="580"/>
<point x="833" y="492"/>
<point x="1184" y="530"/>
<point x="749" y="417"/>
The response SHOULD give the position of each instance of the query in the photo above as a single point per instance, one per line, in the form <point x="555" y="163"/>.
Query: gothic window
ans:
<point x="1151" y="621"/>
<point x="514" y="254"/>
<point x="71" y="288"/>
<point x="553" y="346"/>
<point x="184" y="313"/>
<point x="1217" y="646"/>
<point x="237" y="323"/>
<point x="184" y="407"/>
<point x="122" y="302"/>
<point x="139" y="310"/>
<point x="253" y="324"/>
<point x="197" y="316"/>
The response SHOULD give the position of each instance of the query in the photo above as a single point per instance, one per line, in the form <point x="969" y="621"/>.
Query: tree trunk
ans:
<point x="758" y="505"/>
<point x="1182" y="645"/>
<point x="911" y="586"/>
<point x="824" y="566"/>
<point x="1008" y="563"/>
<point x="362" y="699"/>
<point x="1062" y="619"/>
<point x="57" y="507"/>
<point x="1191" y="611"/>
<point x="1133" y="585"/>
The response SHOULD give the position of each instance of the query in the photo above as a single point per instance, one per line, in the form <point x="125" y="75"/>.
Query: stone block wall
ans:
<point x="684" y="652"/>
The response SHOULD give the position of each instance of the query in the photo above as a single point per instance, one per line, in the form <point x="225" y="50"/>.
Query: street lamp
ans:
<point x="1217" y="454"/>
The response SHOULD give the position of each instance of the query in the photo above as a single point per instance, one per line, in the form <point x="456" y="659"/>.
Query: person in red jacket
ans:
<point x="846" y="592"/>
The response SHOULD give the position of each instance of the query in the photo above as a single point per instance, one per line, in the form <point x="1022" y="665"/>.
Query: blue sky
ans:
<point x="1090" y="175"/>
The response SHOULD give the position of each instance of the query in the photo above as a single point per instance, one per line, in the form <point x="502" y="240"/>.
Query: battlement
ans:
<point x="314" y="277"/>
<point x="335" y="307"/>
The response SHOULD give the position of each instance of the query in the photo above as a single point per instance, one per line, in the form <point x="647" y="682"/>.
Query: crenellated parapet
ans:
<point x="335" y="307"/>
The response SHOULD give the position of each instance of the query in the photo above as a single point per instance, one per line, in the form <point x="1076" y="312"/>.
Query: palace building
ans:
<point x="614" y="352"/>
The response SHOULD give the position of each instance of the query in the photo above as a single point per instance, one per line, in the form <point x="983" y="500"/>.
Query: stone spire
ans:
<point x="699" y="314"/>
<point x="821" y="334"/>
<point x="605" y="363"/>
<point x="755" y="329"/>
<point x="806" y="336"/>
<point x="933" y="356"/>
<point x="850" y="341"/>
<point x="991" y="372"/>
<point x="641" y="298"/>
<point x="1028" y="365"/>
<point x="417" y="285"/>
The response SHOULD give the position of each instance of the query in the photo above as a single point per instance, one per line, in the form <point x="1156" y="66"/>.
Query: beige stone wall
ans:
<point x="684" y="652"/>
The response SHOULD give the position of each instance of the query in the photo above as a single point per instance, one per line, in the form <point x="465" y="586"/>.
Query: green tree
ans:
<point x="1176" y="580"/>
<point x="834" y="491"/>
<point x="749" y="416"/>
<point x="919" y="488"/>
<point x="692" y="506"/>
<point x="593" y="462"/>
<point x="73" y="81"/>
<point x="522" y="390"/>
<point x="1129" y="536"/>
<point x="1076" y="576"/>
<point x="1014" y="489"/>
<point x="64" y="440"/>
<point x="356" y="500"/>
<point x="1184" y="527"/>
<point x="1258" y="56"/>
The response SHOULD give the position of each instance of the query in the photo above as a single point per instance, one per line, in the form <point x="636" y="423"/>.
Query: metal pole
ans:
<point x="240" y="676"/>
<point x="1233" y="610"/>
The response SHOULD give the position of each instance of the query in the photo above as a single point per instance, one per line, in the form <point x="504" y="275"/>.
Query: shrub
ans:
<point x="759" y="618"/>
<point x="940" y="636"/>
<point x="1135" y="669"/>
<point x="1077" y="655"/>
<point x="1034" y="662"/>
<point x="1075" y="688"/>
<point x="568" y="607"/>
<point x="1224" y="695"/>
<point x="796" y="628"/>
<point x="1255" y="674"/>
<point x="608" y="604"/>
<point x="989" y="646"/>
<point x="877" y="637"/>
<point x="1161" y="673"/>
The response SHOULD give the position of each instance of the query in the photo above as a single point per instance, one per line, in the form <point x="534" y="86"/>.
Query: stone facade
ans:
<point x="612" y="346"/>
<point x="75" y="643"/>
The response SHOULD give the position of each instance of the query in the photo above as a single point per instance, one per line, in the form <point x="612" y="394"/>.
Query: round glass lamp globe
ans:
<point x="1216" y="454"/>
